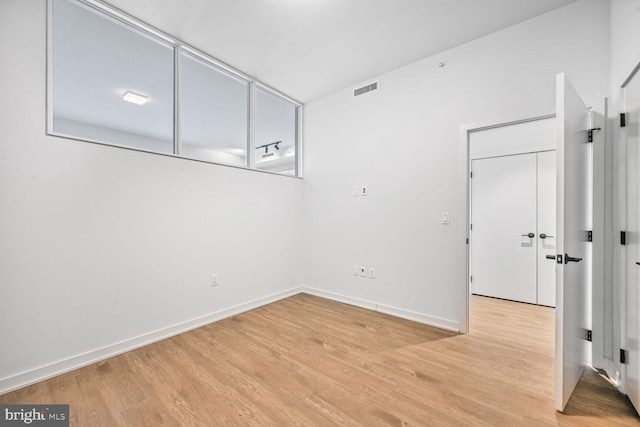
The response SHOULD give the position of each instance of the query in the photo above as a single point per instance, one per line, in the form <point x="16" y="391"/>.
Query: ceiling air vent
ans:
<point x="366" y="89"/>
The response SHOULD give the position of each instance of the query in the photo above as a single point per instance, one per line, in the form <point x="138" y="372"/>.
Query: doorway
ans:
<point x="493" y="140"/>
<point x="513" y="214"/>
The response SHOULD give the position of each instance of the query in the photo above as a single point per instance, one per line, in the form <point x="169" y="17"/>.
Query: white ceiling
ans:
<point x="310" y="48"/>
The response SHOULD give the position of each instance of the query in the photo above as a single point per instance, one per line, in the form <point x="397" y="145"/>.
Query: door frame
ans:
<point x="621" y="280"/>
<point x="464" y="191"/>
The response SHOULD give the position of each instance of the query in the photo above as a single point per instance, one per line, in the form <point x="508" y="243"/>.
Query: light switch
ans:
<point x="446" y="218"/>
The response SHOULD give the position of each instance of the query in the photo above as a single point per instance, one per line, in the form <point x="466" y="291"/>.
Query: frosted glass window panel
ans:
<point x="276" y="134"/>
<point x="97" y="59"/>
<point x="214" y="114"/>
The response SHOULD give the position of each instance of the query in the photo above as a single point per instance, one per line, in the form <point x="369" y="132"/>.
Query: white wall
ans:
<point x="625" y="48"/>
<point x="403" y="142"/>
<point x="103" y="248"/>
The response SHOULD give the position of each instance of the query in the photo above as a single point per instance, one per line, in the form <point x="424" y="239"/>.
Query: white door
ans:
<point x="546" y="228"/>
<point x="631" y="251"/>
<point x="503" y="209"/>
<point x="572" y="275"/>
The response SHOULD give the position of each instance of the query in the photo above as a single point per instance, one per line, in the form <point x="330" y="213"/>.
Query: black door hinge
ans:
<point x="590" y="134"/>
<point x="467" y="240"/>
<point x="623" y="120"/>
<point x="471" y="279"/>
<point x="623" y="237"/>
<point x="624" y="356"/>
<point x="471" y="175"/>
<point x="589" y="335"/>
<point x="590" y="236"/>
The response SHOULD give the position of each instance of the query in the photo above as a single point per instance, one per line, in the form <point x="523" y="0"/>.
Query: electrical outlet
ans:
<point x="356" y="190"/>
<point x="372" y="273"/>
<point x="214" y="279"/>
<point x="363" y="271"/>
<point x="364" y="191"/>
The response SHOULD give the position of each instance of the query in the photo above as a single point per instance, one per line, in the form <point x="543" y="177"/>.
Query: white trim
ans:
<point x="50" y="370"/>
<point x="251" y="126"/>
<point x="177" y="95"/>
<point x="49" y="79"/>
<point x="127" y="19"/>
<point x="266" y="88"/>
<point x="32" y="376"/>
<point x="299" y="150"/>
<point x="141" y="150"/>
<point x="425" y="319"/>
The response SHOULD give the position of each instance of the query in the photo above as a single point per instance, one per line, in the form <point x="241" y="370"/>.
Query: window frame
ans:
<point x="178" y="48"/>
<point x="298" y="124"/>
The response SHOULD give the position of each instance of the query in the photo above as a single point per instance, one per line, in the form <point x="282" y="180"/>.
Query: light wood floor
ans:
<point x="307" y="361"/>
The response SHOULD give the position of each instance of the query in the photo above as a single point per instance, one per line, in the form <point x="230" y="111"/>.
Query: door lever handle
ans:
<point x="530" y="235"/>
<point x="553" y="257"/>
<point x="544" y="236"/>
<point x="568" y="259"/>
<point x="637" y="262"/>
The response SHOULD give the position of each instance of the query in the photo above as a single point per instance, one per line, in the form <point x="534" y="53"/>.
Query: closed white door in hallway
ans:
<point x="513" y="227"/>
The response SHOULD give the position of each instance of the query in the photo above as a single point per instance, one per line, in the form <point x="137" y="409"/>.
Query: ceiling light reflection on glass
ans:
<point x="135" y="98"/>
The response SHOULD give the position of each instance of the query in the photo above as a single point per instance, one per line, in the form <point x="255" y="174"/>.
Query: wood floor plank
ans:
<point x="307" y="361"/>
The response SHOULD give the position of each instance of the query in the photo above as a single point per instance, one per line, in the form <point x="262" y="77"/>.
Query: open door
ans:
<point x="573" y="216"/>
<point x="630" y="143"/>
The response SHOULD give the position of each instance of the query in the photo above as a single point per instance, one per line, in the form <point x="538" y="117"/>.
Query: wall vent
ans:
<point x="373" y="86"/>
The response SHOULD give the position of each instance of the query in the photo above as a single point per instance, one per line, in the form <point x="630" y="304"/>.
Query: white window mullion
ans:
<point x="176" y="99"/>
<point x="251" y="149"/>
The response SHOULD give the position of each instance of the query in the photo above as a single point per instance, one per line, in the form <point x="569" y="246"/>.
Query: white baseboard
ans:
<point x="32" y="376"/>
<point x="393" y="311"/>
<point x="50" y="370"/>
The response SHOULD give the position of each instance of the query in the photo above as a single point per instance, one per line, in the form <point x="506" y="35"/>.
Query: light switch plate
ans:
<point x="446" y="218"/>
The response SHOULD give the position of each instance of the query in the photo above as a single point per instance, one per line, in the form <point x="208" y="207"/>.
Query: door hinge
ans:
<point x="471" y="175"/>
<point x="467" y="240"/>
<point x="589" y="335"/>
<point x="623" y="237"/>
<point x="624" y="356"/>
<point x="623" y="120"/>
<point x="471" y="226"/>
<point x="590" y="236"/>
<point x="471" y="279"/>
<point x="590" y="134"/>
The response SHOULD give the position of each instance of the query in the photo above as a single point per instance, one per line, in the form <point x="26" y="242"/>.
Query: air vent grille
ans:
<point x="366" y="89"/>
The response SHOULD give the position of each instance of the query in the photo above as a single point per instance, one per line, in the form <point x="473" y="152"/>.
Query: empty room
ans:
<point x="319" y="212"/>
